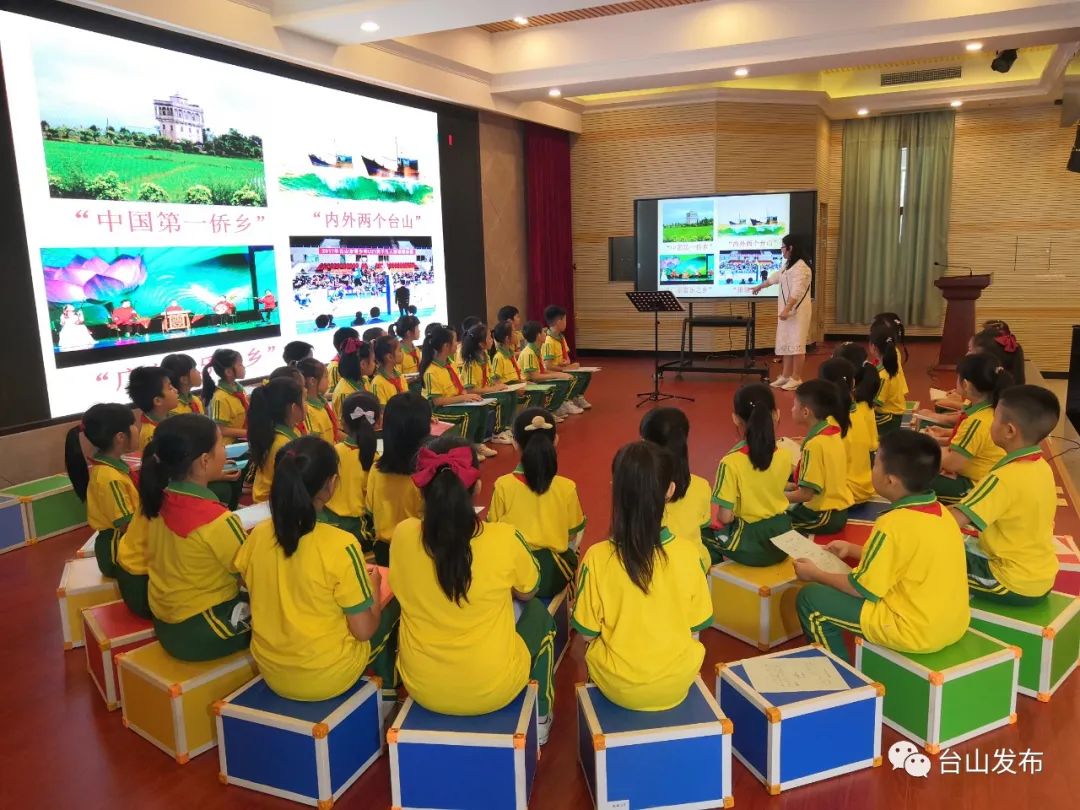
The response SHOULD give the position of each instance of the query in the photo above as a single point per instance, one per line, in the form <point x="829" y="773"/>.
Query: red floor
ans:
<point x="59" y="747"/>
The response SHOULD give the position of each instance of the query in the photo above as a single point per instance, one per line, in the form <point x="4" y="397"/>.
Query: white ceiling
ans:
<point x="792" y="49"/>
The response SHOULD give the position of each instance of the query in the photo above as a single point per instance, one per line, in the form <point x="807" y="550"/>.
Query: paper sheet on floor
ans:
<point x="793" y="675"/>
<point x="798" y="547"/>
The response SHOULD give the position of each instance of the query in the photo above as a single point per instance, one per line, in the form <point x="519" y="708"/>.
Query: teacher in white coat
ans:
<point x="793" y="312"/>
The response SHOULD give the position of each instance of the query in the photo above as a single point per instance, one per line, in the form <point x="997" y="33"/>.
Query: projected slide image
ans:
<point x="340" y="278"/>
<point x="687" y="220"/>
<point x="113" y="129"/>
<point x="754" y="216"/>
<point x="106" y="297"/>
<point x="355" y="168"/>
<point x="747" y="267"/>
<point x="687" y="269"/>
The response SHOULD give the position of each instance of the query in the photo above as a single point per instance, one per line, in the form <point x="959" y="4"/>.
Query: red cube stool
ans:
<point x="111" y="629"/>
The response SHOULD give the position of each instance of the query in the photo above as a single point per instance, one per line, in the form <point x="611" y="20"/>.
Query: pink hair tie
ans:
<point x="459" y="461"/>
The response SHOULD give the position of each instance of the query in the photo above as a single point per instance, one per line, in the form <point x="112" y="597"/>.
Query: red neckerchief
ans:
<point x="513" y="362"/>
<point x="484" y="376"/>
<point x="927" y="508"/>
<point x="454" y="378"/>
<point x="565" y="348"/>
<point x="540" y="360"/>
<point x="415" y="355"/>
<point x="239" y="394"/>
<point x="396" y="380"/>
<point x="146" y="420"/>
<point x="184" y="514"/>
<point x="955" y="430"/>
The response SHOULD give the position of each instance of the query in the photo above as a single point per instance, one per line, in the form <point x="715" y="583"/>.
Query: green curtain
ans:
<point x="881" y="267"/>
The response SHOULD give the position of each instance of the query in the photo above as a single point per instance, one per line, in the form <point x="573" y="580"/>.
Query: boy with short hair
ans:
<point x="909" y="591"/>
<point x="556" y="354"/>
<point x="513" y="314"/>
<point x="535" y="370"/>
<point x="153" y="393"/>
<point x="1012" y="559"/>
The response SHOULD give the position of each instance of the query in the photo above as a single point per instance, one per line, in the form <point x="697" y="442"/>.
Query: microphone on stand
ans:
<point x="954" y="266"/>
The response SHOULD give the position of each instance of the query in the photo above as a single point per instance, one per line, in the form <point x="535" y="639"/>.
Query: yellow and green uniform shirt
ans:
<point x="384" y="386"/>
<point x="188" y="404"/>
<point x="892" y="393"/>
<point x="642" y="654"/>
<point x="823" y="468"/>
<point x="344" y="389"/>
<point x="228" y="408"/>
<point x="132" y="547"/>
<point x="300" y="635"/>
<point x="410" y="359"/>
<point x="971" y="439"/>
<point x="861" y="440"/>
<point x="391" y="498"/>
<point x="112" y="499"/>
<point x="350" y="497"/>
<point x="148" y="425"/>
<point x="913" y="576"/>
<point x="1013" y="508"/>
<point x="550" y="520"/>
<point x="476" y="375"/>
<point x="518" y="340"/>
<point x="191" y="545"/>
<point x="333" y="373"/>
<point x="320" y="419"/>
<point x="531" y="360"/>
<point x="467" y="658"/>
<point x="686" y="517"/>
<point x="505" y="367"/>
<point x="442" y="380"/>
<point x="750" y="493"/>
<point x="264" y="476"/>
<point x="555" y="351"/>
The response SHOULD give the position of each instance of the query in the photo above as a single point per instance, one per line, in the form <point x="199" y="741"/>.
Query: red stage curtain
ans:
<point x="547" y="211"/>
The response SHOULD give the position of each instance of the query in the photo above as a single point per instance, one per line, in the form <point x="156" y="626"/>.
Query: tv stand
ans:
<point x="686" y="361"/>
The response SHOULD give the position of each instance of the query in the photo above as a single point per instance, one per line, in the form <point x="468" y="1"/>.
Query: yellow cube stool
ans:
<point x="755" y="605"/>
<point x="170" y="702"/>
<point x="81" y="586"/>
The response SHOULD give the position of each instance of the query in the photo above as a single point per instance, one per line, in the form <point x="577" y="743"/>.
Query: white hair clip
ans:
<point x="369" y="415"/>
<point x="538" y="423"/>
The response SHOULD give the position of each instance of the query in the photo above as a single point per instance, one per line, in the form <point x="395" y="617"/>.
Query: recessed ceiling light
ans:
<point x="369" y="26"/>
<point x="521" y="20"/>
<point x="862" y="111"/>
<point x="956" y="103"/>
<point x="554" y="92"/>
<point x="973" y="46"/>
<point x="740" y="72"/>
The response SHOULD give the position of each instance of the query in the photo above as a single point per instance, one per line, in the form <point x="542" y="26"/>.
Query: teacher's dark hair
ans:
<point x="798" y="251"/>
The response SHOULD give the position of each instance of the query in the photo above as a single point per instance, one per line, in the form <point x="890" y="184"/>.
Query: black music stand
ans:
<point x="656" y="302"/>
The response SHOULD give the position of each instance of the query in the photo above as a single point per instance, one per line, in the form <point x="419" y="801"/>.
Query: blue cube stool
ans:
<point x="14" y="532"/>
<point x="446" y="762"/>
<point x="868" y="512"/>
<point x="788" y="739"/>
<point x="559" y="608"/>
<point x="307" y="752"/>
<point x="679" y="758"/>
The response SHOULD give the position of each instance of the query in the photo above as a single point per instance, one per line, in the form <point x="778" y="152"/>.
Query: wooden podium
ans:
<point x="961" y="293"/>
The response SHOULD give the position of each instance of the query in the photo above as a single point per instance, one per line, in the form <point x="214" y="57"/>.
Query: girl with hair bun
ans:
<point x="199" y="611"/>
<point x="541" y="504"/>
<point x="748" y="499"/>
<point x="891" y="401"/>
<point x="318" y="621"/>
<point x="357" y="453"/>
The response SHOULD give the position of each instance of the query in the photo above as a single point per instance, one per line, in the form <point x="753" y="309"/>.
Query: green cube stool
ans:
<point x="1048" y="634"/>
<point x="943" y="698"/>
<point x="50" y="507"/>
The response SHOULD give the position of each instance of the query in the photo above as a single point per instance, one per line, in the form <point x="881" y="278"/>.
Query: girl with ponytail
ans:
<point x="820" y="495"/>
<point x="407" y="330"/>
<point x="356" y="367"/>
<point x="971" y="452"/>
<point x="388" y="381"/>
<point x="185" y="378"/>
<point x="199" y="612"/>
<point x="319" y="417"/>
<point x="891" y="400"/>
<point x="316" y="609"/>
<point x="749" y="507"/>
<point x="641" y="598"/>
<point x="226" y="403"/>
<point x="688" y="514"/>
<point x="356" y="454"/>
<point x="541" y="504"/>
<point x="506" y="369"/>
<point x="391" y="496"/>
<point x="861" y="440"/>
<point x="460" y="649"/>
<point x="449" y="400"/>
<point x="105" y="483"/>
<point x="478" y="378"/>
<point x="893" y="321"/>
<point x="277" y="408"/>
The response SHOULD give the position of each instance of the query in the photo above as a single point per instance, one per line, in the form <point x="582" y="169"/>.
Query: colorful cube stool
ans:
<point x="868" y="512"/>
<point x="308" y="752"/>
<point x="778" y="734"/>
<point x="110" y="630"/>
<point x="1048" y="635"/>
<point x="487" y="762"/>
<point x="81" y="586"/>
<point x="1068" y="578"/>
<point x="679" y="758"/>
<point x="559" y="608"/>
<point x="169" y="702"/>
<point x="50" y="505"/>
<point x="14" y="531"/>
<point x="87" y="549"/>
<point x="943" y="698"/>
<point x="755" y="605"/>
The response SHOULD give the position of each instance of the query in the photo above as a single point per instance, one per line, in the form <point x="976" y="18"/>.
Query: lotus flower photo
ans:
<point x="94" y="279"/>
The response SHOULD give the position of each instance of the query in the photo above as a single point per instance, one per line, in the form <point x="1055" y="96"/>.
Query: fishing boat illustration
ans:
<point x="403" y="167"/>
<point x="338" y="162"/>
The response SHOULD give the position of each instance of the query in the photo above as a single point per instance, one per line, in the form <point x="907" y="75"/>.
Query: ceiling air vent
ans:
<point x="925" y="75"/>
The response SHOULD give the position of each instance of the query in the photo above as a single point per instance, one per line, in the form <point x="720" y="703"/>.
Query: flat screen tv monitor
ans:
<point x="719" y="246"/>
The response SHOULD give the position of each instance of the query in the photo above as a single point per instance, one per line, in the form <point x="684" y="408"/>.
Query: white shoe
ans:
<point x="543" y="729"/>
<point x="558" y="418"/>
<point x="582" y="403"/>
<point x="572" y="409"/>
<point x="506" y="437"/>
<point x="484" y="450"/>
<point x="791" y="384"/>
<point x="780" y="381"/>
